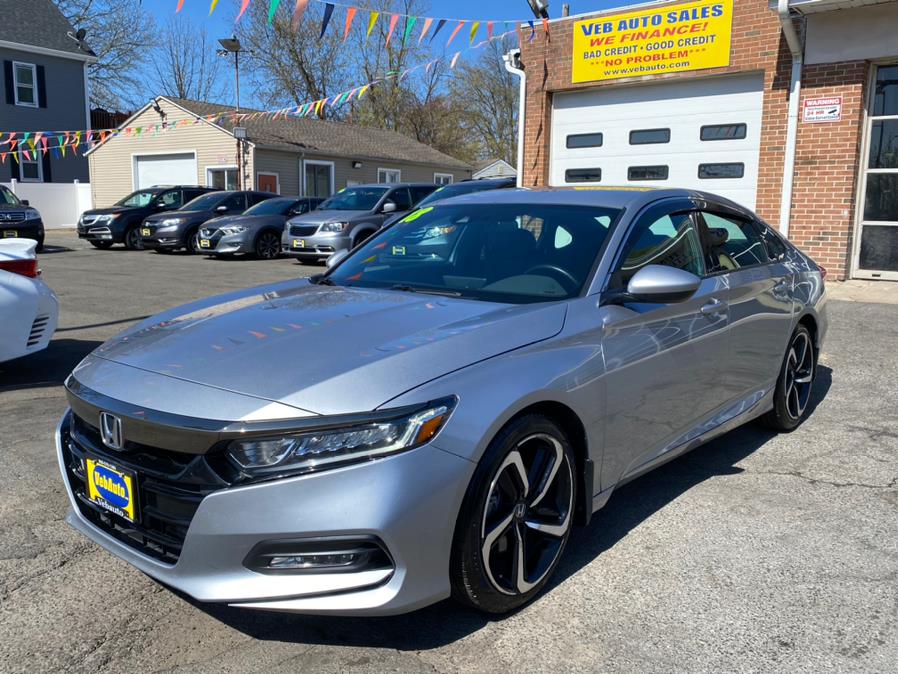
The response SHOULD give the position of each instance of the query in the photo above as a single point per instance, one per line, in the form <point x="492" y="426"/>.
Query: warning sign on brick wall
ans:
<point x="823" y="109"/>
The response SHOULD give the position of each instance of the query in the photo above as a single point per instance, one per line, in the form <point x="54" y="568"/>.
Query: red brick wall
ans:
<point x="827" y="154"/>
<point x="826" y="160"/>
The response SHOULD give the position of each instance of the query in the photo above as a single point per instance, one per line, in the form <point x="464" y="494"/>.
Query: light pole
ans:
<point x="231" y="45"/>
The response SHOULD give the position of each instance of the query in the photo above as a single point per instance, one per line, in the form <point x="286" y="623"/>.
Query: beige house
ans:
<point x="293" y="156"/>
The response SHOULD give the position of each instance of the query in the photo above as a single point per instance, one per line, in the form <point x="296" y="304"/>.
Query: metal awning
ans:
<point x="814" y="6"/>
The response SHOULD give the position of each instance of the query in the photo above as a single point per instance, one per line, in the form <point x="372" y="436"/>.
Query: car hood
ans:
<point x="321" y="217"/>
<point x="246" y="220"/>
<point x="189" y="216"/>
<point x="328" y="350"/>
<point x="113" y="209"/>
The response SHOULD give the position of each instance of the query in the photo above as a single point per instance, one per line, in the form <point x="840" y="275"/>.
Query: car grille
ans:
<point x="210" y="233"/>
<point x="303" y="230"/>
<point x="37" y="330"/>
<point x="12" y="217"/>
<point x="170" y="487"/>
<point x="89" y="219"/>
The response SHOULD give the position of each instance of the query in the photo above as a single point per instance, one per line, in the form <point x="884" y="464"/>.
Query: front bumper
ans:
<point x="315" y="246"/>
<point x="409" y="502"/>
<point x="229" y="244"/>
<point x="22" y="229"/>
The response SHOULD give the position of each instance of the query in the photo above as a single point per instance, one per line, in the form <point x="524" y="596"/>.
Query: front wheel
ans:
<point x="516" y="517"/>
<point x="268" y="246"/>
<point x="193" y="242"/>
<point x="133" y="240"/>
<point x="794" y="384"/>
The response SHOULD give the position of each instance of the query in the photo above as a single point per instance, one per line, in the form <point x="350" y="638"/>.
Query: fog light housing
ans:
<point x="318" y="555"/>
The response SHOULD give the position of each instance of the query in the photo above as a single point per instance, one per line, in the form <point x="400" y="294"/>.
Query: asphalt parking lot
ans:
<point x="755" y="552"/>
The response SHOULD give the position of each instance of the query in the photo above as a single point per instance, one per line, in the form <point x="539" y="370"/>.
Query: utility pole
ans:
<point x="231" y="45"/>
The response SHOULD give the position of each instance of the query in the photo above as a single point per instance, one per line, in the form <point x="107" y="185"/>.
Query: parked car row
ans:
<point x="227" y="222"/>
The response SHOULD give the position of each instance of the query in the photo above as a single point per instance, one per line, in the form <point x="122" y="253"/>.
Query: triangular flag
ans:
<point x="474" y="28"/>
<point x="326" y="19"/>
<point x="440" y="24"/>
<point x="393" y="21"/>
<point x="461" y="24"/>
<point x="243" y="6"/>
<point x="363" y="90"/>
<point x="2" y="157"/>
<point x="272" y="10"/>
<point x="532" y="31"/>
<point x="489" y="29"/>
<point x="546" y="26"/>
<point x="15" y="155"/>
<point x="180" y="6"/>
<point x="298" y="11"/>
<point x="424" y="29"/>
<point x="409" y="27"/>
<point x="371" y="21"/>
<point x="455" y="59"/>
<point x="27" y="154"/>
<point x="212" y="6"/>
<point x="350" y="17"/>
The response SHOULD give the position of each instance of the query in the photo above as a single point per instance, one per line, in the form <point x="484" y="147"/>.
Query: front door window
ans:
<point x="877" y="254"/>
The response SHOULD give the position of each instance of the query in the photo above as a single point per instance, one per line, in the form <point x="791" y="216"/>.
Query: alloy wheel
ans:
<point x="528" y="514"/>
<point x="268" y="246"/>
<point x="799" y="375"/>
<point x="132" y="239"/>
<point x="193" y="243"/>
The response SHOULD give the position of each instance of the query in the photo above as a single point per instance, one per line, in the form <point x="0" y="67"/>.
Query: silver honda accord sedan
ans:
<point x="432" y="416"/>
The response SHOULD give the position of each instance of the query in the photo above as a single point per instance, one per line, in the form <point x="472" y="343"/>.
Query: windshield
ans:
<point x="138" y="199"/>
<point x="514" y="253"/>
<point x="206" y="202"/>
<point x="454" y="190"/>
<point x="271" y="207"/>
<point x="354" y="199"/>
<point x="7" y="197"/>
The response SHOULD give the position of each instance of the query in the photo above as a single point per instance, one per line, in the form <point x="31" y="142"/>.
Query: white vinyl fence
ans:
<point x="60" y="204"/>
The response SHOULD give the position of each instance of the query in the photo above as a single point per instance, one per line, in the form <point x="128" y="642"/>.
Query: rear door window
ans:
<point x="732" y="243"/>
<point x="401" y="198"/>
<point x="421" y="191"/>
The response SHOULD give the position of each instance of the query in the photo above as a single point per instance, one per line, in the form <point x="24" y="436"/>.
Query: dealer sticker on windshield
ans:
<point x="111" y="488"/>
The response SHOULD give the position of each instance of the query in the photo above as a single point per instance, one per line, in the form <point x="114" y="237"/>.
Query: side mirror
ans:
<point x="336" y="258"/>
<point x="221" y="209"/>
<point x="159" y="205"/>
<point x="388" y="207"/>
<point x="662" y="284"/>
<point x="25" y="202"/>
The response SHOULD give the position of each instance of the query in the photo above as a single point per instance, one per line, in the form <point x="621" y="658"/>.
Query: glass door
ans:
<point x="876" y="243"/>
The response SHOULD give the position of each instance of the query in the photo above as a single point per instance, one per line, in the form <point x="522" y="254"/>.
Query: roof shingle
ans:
<point x="297" y="134"/>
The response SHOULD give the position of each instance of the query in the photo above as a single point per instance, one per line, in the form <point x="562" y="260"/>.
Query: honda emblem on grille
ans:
<point x="111" y="430"/>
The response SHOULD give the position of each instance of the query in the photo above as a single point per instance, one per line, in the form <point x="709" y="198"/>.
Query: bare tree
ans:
<point x="490" y="97"/>
<point x="120" y="33"/>
<point x="186" y="64"/>
<point x="288" y="64"/>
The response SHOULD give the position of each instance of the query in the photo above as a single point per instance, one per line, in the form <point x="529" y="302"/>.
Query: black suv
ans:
<point x="121" y="223"/>
<point x="19" y="220"/>
<point x="178" y="229"/>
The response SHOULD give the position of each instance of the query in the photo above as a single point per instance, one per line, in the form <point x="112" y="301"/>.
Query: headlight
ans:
<point x="109" y="217"/>
<point x="334" y="226"/>
<point x="328" y="448"/>
<point x="32" y="214"/>
<point x="236" y="229"/>
<point x="168" y="222"/>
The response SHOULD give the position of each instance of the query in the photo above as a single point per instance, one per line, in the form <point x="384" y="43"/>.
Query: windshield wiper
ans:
<point x="321" y="280"/>
<point x="424" y="291"/>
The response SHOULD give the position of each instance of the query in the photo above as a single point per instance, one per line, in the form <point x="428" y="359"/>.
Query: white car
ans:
<point x="29" y="310"/>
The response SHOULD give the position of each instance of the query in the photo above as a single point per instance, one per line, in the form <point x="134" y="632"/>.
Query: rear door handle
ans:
<point x="713" y="308"/>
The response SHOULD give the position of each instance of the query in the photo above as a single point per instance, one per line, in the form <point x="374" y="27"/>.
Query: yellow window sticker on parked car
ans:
<point x="411" y="217"/>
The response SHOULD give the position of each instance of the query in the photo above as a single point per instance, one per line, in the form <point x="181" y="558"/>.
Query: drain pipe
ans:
<point x="513" y="65"/>
<point x="792" y="122"/>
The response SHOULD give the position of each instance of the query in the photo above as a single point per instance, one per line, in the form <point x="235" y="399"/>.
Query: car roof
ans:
<point x="394" y="185"/>
<point x="606" y="197"/>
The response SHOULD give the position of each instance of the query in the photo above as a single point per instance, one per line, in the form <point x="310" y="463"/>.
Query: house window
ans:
<point x="318" y="178"/>
<point x="724" y="132"/>
<point x="647" y="173"/>
<point x="583" y="175"/>
<point x="443" y="178"/>
<point x="222" y="178"/>
<point x="31" y="170"/>
<point x="649" y="136"/>
<point x="584" y="140"/>
<point x="389" y="175"/>
<point x="25" y="84"/>
<point x="721" y="171"/>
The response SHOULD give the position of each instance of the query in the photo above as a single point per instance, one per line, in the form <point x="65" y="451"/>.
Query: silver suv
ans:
<point x="349" y="217"/>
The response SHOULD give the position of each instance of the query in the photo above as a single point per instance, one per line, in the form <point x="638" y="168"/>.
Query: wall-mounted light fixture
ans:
<point x="356" y="164"/>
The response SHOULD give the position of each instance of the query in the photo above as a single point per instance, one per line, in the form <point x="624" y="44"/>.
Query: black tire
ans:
<point x="268" y="246"/>
<point x="478" y="579"/>
<point x="102" y="245"/>
<point x="163" y="251"/>
<point x="40" y="245"/>
<point x="361" y="238"/>
<point x="309" y="260"/>
<point x="794" y="384"/>
<point x="132" y="239"/>
<point x="192" y="242"/>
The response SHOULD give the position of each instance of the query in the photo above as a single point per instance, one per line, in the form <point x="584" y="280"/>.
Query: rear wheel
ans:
<point x="794" y="385"/>
<point x="516" y="517"/>
<point x="268" y="246"/>
<point x="40" y="245"/>
<point x="102" y="245"/>
<point x="132" y="239"/>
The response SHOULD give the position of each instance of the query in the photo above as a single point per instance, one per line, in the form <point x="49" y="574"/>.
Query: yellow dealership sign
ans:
<point x="670" y="39"/>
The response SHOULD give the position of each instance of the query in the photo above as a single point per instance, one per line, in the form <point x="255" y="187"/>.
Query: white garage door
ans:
<point x="703" y="133"/>
<point x="164" y="169"/>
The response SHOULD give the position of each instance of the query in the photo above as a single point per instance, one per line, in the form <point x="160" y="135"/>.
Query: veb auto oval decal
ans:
<point x="111" y="486"/>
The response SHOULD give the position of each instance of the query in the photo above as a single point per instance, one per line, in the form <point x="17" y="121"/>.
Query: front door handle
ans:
<point x="781" y="289"/>
<point x="713" y="308"/>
